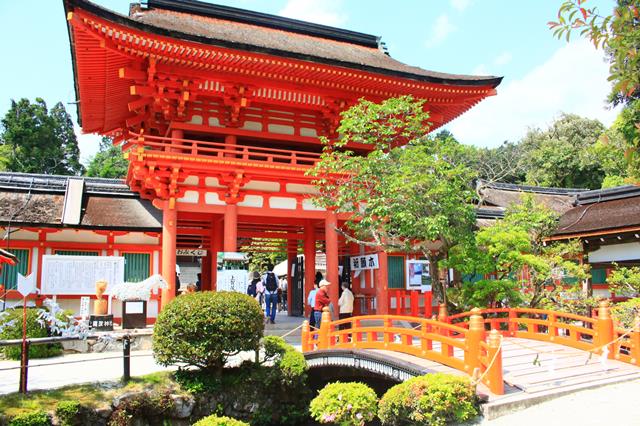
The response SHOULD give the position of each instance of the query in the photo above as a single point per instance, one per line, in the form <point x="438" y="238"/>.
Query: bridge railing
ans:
<point x="465" y="349"/>
<point x="592" y="334"/>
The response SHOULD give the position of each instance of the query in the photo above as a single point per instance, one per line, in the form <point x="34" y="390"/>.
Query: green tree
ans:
<point x="410" y="192"/>
<point x="109" y="162"/>
<point x="619" y="34"/>
<point x="513" y="245"/>
<point x="563" y="156"/>
<point x="263" y="252"/>
<point x="505" y="163"/>
<point x="36" y="140"/>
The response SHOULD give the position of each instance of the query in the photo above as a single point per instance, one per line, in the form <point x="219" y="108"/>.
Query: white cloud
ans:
<point x="572" y="80"/>
<point x="441" y="30"/>
<point x="503" y="59"/>
<point x="88" y="144"/>
<point x="460" y="5"/>
<point x="326" y="12"/>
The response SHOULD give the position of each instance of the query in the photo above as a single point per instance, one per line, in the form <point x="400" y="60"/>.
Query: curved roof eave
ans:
<point x="126" y="21"/>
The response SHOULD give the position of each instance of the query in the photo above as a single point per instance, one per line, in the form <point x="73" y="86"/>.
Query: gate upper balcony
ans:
<point x="225" y="153"/>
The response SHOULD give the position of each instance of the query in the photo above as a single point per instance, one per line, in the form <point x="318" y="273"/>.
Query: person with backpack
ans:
<point x="271" y="285"/>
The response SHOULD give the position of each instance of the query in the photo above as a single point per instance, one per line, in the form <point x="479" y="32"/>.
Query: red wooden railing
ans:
<point x="581" y="332"/>
<point x="470" y="350"/>
<point x="471" y="341"/>
<point x="410" y="302"/>
<point x="191" y="147"/>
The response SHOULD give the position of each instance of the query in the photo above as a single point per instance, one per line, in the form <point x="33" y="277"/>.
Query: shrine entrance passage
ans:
<point x="503" y="350"/>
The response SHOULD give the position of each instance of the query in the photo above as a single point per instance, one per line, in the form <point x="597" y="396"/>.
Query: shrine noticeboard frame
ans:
<point x="77" y="275"/>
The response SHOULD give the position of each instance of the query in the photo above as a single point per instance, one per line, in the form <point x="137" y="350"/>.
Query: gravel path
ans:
<point x="614" y="405"/>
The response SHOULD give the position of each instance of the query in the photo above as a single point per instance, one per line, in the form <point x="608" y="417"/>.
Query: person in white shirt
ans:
<point x="346" y="305"/>
<point x="311" y="301"/>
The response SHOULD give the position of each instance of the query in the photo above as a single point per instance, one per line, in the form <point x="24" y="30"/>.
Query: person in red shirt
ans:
<point x="322" y="301"/>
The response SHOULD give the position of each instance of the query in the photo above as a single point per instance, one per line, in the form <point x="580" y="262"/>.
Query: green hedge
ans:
<point x="34" y="418"/>
<point x="203" y="329"/>
<point x="434" y="399"/>
<point x="346" y="404"/>
<point x="11" y="328"/>
<point x="219" y="421"/>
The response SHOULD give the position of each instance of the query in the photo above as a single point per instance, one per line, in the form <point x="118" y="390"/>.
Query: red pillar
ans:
<point x="231" y="228"/>
<point x="382" y="282"/>
<point x="331" y="242"/>
<point x="205" y="271"/>
<point x="217" y="232"/>
<point x="309" y="260"/>
<point x="169" y="227"/>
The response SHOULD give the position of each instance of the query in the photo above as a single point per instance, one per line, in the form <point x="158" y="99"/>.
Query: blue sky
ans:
<point x="543" y="76"/>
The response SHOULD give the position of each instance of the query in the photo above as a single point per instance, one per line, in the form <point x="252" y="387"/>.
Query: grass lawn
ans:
<point x="90" y="395"/>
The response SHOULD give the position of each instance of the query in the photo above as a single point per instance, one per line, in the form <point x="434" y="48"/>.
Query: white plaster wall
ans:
<point x="615" y="252"/>
<point x="77" y="236"/>
<point x="306" y="131"/>
<point x="196" y="119"/>
<point x="308" y="205"/>
<point x="252" y="201"/>
<point x="252" y="125"/>
<point x="281" y="129"/>
<point x="155" y="265"/>
<point x="601" y="293"/>
<point x="212" y="198"/>
<point x="191" y="180"/>
<point x="137" y="238"/>
<point x="212" y="182"/>
<point x="262" y="185"/>
<point x="282" y="203"/>
<point x="298" y="188"/>
<point x="213" y="121"/>
<point x="21" y="234"/>
<point x="190" y="197"/>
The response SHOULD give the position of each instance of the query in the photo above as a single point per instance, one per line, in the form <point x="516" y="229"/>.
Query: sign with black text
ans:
<point x="191" y="252"/>
<point x="363" y="262"/>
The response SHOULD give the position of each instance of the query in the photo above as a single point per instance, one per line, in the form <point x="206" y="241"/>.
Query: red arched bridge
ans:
<point x="528" y="349"/>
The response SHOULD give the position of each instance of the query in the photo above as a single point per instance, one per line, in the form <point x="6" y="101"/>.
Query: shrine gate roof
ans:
<point x="207" y="50"/>
<point x="259" y="32"/>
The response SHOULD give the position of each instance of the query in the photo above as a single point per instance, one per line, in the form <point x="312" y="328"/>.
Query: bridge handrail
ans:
<point x="461" y="348"/>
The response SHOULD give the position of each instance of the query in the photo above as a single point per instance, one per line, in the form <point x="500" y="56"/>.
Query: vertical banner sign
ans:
<point x="364" y="262"/>
<point x="84" y="307"/>
<point x="418" y="275"/>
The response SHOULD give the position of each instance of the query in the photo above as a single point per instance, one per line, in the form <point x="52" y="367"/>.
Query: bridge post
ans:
<point x="494" y="374"/>
<point x="443" y="317"/>
<point x="305" y="336"/>
<point x="635" y="341"/>
<point x="323" y="332"/>
<point x="475" y="335"/>
<point x="604" y="328"/>
<point x="513" y="322"/>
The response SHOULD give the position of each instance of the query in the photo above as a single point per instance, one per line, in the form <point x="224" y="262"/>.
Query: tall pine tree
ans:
<point x="36" y="140"/>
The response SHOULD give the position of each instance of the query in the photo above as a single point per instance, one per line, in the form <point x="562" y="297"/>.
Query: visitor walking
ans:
<point x="322" y="301"/>
<point x="283" y="294"/>
<point x="311" y="301"/>
<point x="271" y="284"/>
<point x="346" y="305"/>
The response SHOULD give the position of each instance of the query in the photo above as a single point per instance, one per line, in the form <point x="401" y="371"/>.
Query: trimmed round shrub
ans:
<point x="203" y="329"/>
<point x="434" y="399"/>
<point x="34" y="418"/>
<point x="345" y="404"/>
<point x="219" y="421"/>
<point x="284" y="356"/>
<point x="11" y="328"/>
